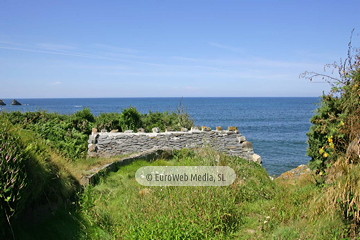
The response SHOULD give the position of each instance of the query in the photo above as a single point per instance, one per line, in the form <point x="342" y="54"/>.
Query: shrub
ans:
<point x="108" y="121"/>
<point x="13" y="178"/>
<point x="30" y="177"/>
<point x="336" y="121"/>
<point x="336" y="124"/>
<point x="130" y="119"/>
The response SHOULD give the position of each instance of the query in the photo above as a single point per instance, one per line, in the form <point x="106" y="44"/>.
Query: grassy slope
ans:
<point x="254" y="207"/>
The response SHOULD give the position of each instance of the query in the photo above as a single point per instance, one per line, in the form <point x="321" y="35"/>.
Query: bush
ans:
<point x="108" y="121"/>
<point x="68" y="134"/>
<point x="13" y="178"/>
<point x="336" y="122"/>
<point x="130" y="119"/>
<point x="29" y="176"/>
<point x="174" y="120"/>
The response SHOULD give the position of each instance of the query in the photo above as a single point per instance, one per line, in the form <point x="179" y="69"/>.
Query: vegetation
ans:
<point x="42" y="158"/>
<point x="134" y="212"/>
<point x="68" y="134"/>
<point x="30" y="177"/>
<point x="253" y="207"/>
<point x="334" y="141"/>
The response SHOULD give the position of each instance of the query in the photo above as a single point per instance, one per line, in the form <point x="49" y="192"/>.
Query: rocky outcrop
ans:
<point x="353" y="150"/>
<point x="296" y="173"/>
<point x="2" y="103"/>
<point x="15" y="102"/>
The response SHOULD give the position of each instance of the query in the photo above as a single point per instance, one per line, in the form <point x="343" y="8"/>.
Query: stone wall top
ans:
<point x="140" y="131"/>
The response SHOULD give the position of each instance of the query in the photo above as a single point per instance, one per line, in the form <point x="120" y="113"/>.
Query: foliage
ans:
<point x="324" y="134"/>
<point x="183" y="118"/>
<point x="336" y="124"/>
<point x="130" y="119"/>
<point x="108" y="121"/>
<point x="336" y="121"/>
<point x="164" y="120"/>
<point x="253" y="207"/>
<point x="29" y="176"/>
<point x="134" y="212"/>
<point x="67" y="134"/>
<point x="13" y="178"/>
<point x="168" y="120"/>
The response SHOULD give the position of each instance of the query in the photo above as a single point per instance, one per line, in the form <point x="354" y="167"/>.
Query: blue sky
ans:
<point x="61" y="49"/>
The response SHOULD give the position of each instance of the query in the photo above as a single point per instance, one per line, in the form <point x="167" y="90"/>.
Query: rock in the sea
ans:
<point x="15" y="102"/>
<point x="2" y="103"/>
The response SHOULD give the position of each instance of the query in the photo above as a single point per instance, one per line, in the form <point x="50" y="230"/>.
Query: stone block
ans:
<point x="219" y="128"/>
<point x="204" y="128"/>
<point x="231" y="128"/>
<point x="241" y="139"/>
<point x="256" y="158"/>
<point x="194" y="129"/>
<point x="184" y="130"/>
<point x="92" y="147"/>
<point x="156" y="130"/>
<point x="140" y="130"/>
<point x="247" y="146"/>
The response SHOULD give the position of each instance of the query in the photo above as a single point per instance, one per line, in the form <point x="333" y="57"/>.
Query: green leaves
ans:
<point x="130" y="119"/>
<point x="13" y="178"/>
<point x="68" y="134"/>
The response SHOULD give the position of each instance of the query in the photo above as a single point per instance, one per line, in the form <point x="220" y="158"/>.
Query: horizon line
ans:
<point x="151" y="97"/>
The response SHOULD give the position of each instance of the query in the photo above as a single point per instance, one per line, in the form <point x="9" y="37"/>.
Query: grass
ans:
<point x="253" y="207"/>
<point x="128" y="210"/>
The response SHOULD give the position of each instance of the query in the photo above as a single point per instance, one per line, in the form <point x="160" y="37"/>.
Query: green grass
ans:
<point x="127" y="210"/>
<point x="253" y="207"/>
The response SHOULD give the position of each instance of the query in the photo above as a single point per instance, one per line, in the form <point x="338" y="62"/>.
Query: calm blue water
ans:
<point x="275" y="126"/>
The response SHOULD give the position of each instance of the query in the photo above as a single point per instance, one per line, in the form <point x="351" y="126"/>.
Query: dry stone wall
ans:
<point x="231" y="142"/>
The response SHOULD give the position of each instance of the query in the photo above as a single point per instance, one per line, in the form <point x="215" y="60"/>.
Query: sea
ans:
<point x="276" y="126"/>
